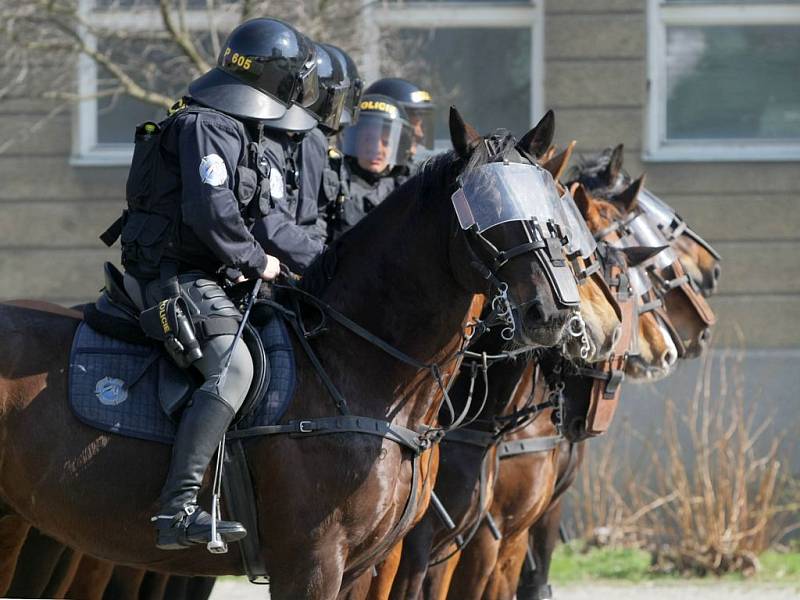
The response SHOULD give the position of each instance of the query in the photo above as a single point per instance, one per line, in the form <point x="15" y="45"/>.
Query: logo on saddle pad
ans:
<point x="111" y="391"/>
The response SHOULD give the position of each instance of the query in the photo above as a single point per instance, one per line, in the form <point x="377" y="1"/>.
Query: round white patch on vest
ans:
<point x="213" y="170"/>
<point x="276" y="187"/>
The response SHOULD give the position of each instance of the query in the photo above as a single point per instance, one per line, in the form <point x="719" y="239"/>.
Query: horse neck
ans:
<point x="393" y="277"/>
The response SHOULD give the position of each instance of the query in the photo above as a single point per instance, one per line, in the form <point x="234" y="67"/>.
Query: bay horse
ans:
<point x="545" y="533"/>
<point x="329" y="505"/>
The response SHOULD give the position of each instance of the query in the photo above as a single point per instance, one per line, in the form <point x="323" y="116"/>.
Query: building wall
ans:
<point x="51" y="212"/>
<point x="597" y="85"/>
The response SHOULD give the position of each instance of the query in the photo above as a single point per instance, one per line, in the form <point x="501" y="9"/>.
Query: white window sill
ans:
<point x="733" y="151"/>
<point x="111" y="156"/>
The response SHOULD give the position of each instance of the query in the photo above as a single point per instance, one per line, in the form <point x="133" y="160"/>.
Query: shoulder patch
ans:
<point x="276" y="185"/>
<point x="334" y="153"/>
<point x="213" y="170"/>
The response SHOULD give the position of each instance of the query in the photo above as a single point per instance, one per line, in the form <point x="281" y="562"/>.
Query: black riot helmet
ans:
<point x="264" y="67"/>
<point x="333" y="89"/>
<point x="417" y="102"/>
<point x="382" y="137"/>
<point x="355" y="84"/>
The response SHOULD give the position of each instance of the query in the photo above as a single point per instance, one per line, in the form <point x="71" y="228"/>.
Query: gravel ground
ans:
<point x="232" y="589"/>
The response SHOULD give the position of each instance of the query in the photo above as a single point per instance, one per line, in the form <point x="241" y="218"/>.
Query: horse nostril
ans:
<point x="668" y="358"/>
<point x="716" y="273"/>
<point x="535" y="313"/>
<point x="705" y="336"/>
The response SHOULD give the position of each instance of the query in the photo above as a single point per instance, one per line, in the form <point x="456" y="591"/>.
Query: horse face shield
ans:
<point x="499" y="193"/>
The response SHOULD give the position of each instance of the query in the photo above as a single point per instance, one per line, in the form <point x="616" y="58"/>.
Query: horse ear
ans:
<point x="462" y="134"/>
<point x="636" y="255"/>
<point x="614" y="165"/>
<point x="585" y="204"/>
<point x="558" y="164"/>
<point x="628" y="198"/>
<point x="538" y="140"/>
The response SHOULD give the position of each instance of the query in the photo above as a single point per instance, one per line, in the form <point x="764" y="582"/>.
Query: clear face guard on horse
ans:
<point x="499" y="193"/>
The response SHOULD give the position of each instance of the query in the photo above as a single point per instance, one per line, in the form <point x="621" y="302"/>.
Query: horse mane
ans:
<point x="437" y="178"/>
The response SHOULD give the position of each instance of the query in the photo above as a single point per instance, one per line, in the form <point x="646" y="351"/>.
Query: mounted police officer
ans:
<point x="374" y="147"/>
<point x="302" y="236"/>
<point x="419" y="107"/>
<point x="197" y="183"/>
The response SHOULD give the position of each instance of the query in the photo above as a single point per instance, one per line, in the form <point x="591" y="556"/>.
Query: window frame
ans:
<point x="459" y="15"/>
<point x="86" y="150"/>
<point x="660" y="15"/>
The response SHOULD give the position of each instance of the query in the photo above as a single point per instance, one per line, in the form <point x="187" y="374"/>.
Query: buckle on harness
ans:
<point x="305" y="426"/>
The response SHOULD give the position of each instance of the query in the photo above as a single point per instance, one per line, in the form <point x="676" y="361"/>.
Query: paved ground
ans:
<point x="231" y="589"/>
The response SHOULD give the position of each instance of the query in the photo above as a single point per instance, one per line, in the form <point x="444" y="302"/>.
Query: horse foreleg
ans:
<point x="544" y="536"/>
<point x="36" y="565"/>
<point x="13" y="531"/>
<point x="124" y="583"/>
<point x="63" y="574"/>
<point x="475" y="566"/>
<point x="503" y="581"/>
<point x="437" y="581"/>
<point x="153" y="586"/>
<point x="91" y="579"/>
<point x="381" y="585"/>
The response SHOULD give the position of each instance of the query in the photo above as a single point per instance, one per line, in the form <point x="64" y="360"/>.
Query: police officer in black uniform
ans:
<point x="336" y="176"/>
<point x="376" y="145"/>
<point x="197" y="183"/>
<point x="419" y="107"/>
<point x="301" y="235"/>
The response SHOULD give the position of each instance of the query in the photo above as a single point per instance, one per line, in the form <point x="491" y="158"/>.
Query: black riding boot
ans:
<point x="181" y="522"/>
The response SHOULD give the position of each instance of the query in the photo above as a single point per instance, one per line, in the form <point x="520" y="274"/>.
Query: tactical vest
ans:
<point x="151" y="226"/>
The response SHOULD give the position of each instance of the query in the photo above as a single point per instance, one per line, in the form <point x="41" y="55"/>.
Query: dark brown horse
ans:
<point x="328" y="505"/>
<point x="467" y="471"/>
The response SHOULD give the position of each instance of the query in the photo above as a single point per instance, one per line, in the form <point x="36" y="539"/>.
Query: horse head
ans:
<point x="653" y="351"/>
<point x="605" y="177"/>
<point x="496" y="245"/>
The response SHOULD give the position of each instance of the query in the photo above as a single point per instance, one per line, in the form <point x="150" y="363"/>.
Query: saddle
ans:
<point x="123" y="382"/>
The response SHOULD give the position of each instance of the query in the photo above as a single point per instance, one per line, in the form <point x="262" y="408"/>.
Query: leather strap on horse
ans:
<point x="417" y="442"/>
<point x="528" y="446"/>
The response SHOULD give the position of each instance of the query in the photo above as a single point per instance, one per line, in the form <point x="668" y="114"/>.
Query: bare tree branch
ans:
<point x="181" y="38"/>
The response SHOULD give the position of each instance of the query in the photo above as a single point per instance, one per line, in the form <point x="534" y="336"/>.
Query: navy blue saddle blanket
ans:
<point x="113" y="385"/>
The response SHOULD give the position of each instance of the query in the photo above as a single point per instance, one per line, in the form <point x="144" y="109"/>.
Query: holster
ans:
<point x="169" y="322"/>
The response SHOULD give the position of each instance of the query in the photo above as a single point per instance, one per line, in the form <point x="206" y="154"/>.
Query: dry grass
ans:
<point x="707" y="494"/>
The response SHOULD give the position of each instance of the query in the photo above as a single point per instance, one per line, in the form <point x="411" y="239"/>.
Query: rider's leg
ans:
<point x="205" y="419"/>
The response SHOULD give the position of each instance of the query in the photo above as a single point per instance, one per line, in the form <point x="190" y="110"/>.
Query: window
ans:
<point x="723" y="80"/>
<point x="483" y="57"/>
<point x="132" y="33"/>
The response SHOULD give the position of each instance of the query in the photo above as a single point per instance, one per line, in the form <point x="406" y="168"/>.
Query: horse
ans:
<point x="545" y="532"/>
<point x="411" y="276"/>
<point x="464" y="479"/>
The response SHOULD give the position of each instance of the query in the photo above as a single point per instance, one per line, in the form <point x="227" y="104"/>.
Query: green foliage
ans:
<point x="573" y="564"/>
<point x="570" y="563"/>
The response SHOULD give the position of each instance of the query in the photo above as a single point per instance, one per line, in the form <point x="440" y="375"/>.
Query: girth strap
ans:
<point x="473" y="437"/>
<point x="528" y="446"/>
<point x="416" y="442"/>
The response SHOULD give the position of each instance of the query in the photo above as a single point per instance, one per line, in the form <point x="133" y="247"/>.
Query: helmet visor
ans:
<point x="379" y="141"/>
<point x="580" y="239"/>
<point x="352" y="104"/>
<point x="422" y="120"/>
<point x="497" y="193"/>
<point x="308" y="83"/>
<point x="330" y="113"/>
